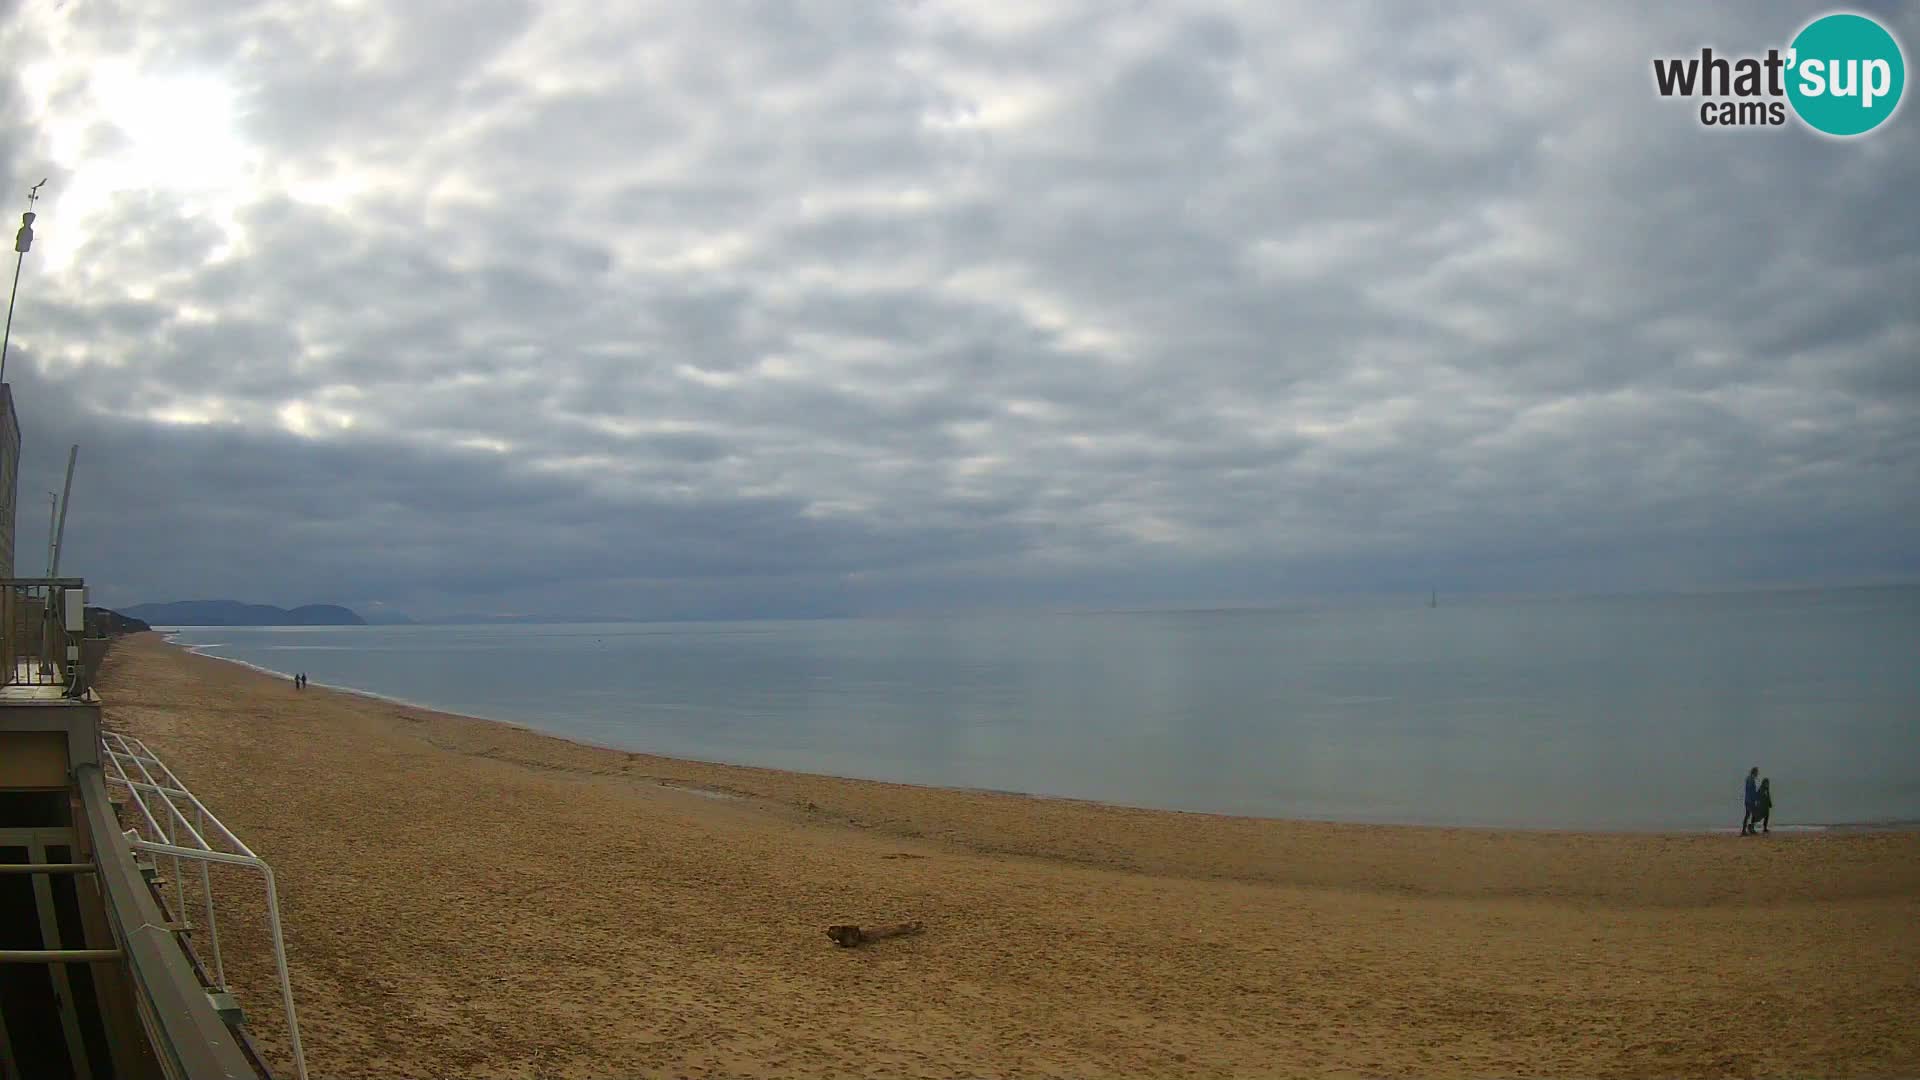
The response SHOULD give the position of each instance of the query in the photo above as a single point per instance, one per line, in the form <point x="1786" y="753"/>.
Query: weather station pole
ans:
<point x="22" y="242"/>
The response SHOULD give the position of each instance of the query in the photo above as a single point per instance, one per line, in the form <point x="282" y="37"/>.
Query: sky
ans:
<point x="799" y="308"/>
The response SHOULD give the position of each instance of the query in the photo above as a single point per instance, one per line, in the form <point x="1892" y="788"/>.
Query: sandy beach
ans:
<point x="471" y="899"/>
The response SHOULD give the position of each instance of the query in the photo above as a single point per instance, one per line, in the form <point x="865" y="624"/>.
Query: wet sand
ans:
<point x="470" y="899"/>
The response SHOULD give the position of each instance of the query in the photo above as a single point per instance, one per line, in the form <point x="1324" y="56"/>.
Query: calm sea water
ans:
<point x="1626" y="713"/>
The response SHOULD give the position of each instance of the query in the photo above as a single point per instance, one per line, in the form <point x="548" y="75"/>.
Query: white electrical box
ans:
<point x="76" y="610"/>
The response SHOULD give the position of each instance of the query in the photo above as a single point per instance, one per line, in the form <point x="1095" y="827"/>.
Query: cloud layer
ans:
<point x="749" y="308"/>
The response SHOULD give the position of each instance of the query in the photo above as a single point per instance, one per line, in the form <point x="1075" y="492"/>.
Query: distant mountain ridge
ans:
<point x="113" y="624"/>
<point x="234" y="613"/>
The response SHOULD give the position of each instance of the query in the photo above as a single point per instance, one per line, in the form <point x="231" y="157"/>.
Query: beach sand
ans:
<point x="470" y="899"/>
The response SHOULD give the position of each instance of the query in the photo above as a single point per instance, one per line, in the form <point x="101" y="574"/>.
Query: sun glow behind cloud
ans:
<point x="134" y="131"/>
<point x="180" y="129"/>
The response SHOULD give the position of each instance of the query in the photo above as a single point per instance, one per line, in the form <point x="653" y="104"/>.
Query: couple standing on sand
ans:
<point x="1759" y="804"/>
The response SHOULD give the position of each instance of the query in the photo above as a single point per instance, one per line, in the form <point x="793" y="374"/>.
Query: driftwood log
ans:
<point x="847" y="935"/>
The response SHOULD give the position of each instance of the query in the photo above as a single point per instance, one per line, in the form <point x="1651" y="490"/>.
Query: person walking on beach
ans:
<point x="1763" y="805"/>
<point x="1753" y="795"/>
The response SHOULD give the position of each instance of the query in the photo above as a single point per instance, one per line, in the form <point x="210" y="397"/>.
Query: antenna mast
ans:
<point x="65" y="499"/>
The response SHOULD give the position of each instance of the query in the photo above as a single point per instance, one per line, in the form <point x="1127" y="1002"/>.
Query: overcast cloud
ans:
<point x="810" y="307"/>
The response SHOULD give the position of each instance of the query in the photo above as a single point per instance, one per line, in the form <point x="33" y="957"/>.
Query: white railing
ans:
<point x="152" y="786"/>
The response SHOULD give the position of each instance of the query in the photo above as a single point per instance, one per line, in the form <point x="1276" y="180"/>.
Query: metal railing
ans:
<point x="170" y="833"/>
<point x="42" y="622"/>
<point x="175" y="1015"/>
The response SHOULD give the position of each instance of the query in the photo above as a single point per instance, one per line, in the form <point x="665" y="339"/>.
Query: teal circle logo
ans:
<point x="1845" y="74"/>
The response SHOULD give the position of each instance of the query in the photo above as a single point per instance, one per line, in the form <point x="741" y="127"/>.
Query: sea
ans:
<point x="1611" y="713"/>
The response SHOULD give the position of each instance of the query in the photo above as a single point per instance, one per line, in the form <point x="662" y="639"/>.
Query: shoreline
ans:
<point x="166" y="636"/>
<point x="471" y="898"/>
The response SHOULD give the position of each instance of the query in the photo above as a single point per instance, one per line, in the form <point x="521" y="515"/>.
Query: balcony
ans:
<point x="44" y="655"/>
<point x="102" y="972"/>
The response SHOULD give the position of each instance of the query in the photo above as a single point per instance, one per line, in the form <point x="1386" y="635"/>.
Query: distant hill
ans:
<point x="234" y="613"/>
<point x="387" y="617"/>
<point x="113" y="624"/>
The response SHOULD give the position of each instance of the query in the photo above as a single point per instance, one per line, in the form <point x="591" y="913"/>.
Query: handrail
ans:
<point x="181" y="1022"/>
<point x="122" y="750"/>
<point x="53" y="956"/>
